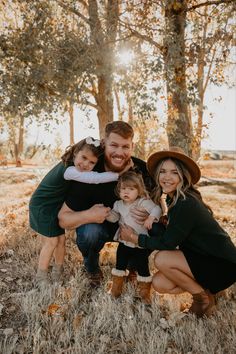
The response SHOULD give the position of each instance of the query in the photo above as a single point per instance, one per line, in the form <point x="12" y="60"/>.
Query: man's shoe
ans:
<point x="94" y="279"/>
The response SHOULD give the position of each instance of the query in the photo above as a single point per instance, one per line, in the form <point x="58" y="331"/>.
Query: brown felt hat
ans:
<point x="176" y="153"/>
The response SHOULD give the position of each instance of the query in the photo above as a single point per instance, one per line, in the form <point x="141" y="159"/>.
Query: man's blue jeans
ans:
<point x="92" y="237"/>
<point x="90" y="240"/>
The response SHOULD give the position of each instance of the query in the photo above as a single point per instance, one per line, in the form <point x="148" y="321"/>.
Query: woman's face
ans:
<point x="169" y="177"/>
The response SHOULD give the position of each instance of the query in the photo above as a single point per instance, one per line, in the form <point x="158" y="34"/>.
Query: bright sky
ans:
<point x="221" y="132"/>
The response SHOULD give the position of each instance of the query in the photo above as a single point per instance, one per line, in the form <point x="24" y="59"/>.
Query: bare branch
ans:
<point x="142" y="36"/>
<point x="83" y="3"/>
<point x="209" y="3"/>
<point x="71" y="9"/>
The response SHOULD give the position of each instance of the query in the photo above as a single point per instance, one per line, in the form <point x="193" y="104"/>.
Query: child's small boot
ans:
<point x="57" y="273"/>
<point x="203" y="304"/>
<point x="144" y="289"/>
<point x="118" y="277"/>
<point x="42" y="280"/>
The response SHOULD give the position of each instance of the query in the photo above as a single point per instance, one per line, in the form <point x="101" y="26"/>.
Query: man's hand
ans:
<point x="139" y="214"/>
<point x="99" y="212"/>
<point x="70" y="219"/>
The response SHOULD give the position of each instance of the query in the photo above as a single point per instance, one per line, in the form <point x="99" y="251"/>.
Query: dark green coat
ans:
<point x="192" y="226"/>
<point x="46" y="202"/>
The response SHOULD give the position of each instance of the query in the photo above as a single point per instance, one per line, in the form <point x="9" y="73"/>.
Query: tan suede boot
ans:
<point x="144" y="289"/>
<point x="118" y="277"/>
<point x="203" y="304"/>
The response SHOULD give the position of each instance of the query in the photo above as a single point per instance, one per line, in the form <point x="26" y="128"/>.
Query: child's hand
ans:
<point x="148" y="222"/>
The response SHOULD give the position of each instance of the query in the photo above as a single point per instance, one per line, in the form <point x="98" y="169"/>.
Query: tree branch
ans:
<point x="142" y="36"/>
<point x="209" y="70"/>
<point x="209" y="3"/>
<point x="74" y="11"/>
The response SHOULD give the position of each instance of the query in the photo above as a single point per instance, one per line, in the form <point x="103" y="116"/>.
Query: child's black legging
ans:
<point x="138" y="257"/>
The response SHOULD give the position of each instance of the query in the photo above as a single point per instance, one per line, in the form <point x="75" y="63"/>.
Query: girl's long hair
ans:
<point x="132" y="179"/>
<point x="184" y="188"/>
<point x="72" y="151"/>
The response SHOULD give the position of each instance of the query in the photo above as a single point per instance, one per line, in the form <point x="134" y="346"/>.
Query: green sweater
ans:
<point x="192" y="226"/>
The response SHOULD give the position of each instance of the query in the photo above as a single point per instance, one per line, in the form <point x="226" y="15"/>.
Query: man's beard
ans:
<point x="110" y="167"/>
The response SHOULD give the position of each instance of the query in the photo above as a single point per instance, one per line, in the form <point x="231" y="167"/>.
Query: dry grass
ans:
<point x="74" y="320"/>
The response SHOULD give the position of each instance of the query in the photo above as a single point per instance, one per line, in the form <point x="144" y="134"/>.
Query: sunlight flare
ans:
<point x="125" y="57"/>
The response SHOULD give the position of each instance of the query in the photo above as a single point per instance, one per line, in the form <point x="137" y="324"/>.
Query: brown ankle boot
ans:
<point x="203" y="304"/>
<point x="118" y="277"/>
<point x="144" y="289"/>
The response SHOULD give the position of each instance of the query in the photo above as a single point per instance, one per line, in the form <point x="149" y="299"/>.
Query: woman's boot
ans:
<point x="144" y="289"/>
<point x="117" y="281"/>
<point x="203" y="304"/>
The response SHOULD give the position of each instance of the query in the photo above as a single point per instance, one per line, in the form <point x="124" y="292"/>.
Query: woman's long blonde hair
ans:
<point x="185" y="186"/>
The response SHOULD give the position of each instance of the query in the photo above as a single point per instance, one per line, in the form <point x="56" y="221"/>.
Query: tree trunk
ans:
<point x="196" y="146"/>
<point x="19" y="146"/>
<point x="179" y="127"/>
<point x="103" y="47"/>
<point x="104" y="101"/>
<point x="71" y="122"/>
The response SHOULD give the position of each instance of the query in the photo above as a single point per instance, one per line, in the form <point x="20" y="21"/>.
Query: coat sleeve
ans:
<point x="181" y="221"/>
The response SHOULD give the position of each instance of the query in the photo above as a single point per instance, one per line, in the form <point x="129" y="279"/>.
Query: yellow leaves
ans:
<point x="177" y="5"/>
<point x="77" y="320"/>
<point x="11" y="216"/>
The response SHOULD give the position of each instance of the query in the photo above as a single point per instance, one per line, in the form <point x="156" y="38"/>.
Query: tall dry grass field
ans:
<point x="72" y="319"/>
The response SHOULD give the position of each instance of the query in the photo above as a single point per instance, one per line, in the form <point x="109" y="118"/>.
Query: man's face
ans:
<point x="118" y="151"/>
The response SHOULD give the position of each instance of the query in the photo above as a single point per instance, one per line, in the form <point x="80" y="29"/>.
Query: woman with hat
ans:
<point x="195" y="254"/>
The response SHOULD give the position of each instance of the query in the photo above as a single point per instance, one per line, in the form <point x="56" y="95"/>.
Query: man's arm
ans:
<point x="70" y="219"/>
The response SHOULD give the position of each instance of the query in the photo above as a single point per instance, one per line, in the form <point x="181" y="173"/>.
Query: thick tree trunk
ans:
<point x="179" y="127"/>
<point x="103" y="46"/>
<point x="104" y="101"/>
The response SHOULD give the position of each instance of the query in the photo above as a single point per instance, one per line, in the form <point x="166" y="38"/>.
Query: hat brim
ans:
<point x="191" y="165"/>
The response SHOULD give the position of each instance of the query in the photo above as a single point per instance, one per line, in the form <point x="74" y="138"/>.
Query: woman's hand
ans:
<point x="139" y="214"/>
<point x="128" y="234"/>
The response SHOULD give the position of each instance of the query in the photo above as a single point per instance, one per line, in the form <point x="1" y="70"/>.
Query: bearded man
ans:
<point x="88" y="205"/>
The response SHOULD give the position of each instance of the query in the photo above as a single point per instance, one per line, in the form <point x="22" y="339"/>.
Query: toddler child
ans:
<point x="132" y="193"/>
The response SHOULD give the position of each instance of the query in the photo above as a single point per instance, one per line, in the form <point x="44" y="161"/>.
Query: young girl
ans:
<point x="196" y="255"/>
<point x="49" y="196"/>
<point x="132" y="192"/>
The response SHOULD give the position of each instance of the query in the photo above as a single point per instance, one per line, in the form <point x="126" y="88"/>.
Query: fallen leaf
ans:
<point x="77" y="320"/>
